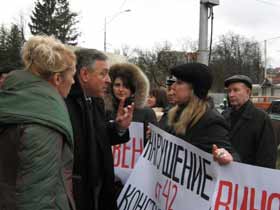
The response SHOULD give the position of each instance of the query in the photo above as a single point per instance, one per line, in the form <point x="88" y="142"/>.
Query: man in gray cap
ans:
<point x="251" y="131"/>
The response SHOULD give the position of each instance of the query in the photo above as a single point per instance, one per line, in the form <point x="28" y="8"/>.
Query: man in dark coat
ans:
<point x="163" y="123"/>
<point x="93" y="162"/>
<point x="251" y="130"/>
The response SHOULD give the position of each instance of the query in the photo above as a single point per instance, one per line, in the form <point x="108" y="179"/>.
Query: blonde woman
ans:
<point x="36" y="139"/>
<point x="191" y="119"/>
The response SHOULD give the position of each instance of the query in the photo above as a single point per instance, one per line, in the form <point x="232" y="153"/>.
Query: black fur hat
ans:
<point x="197" y="74"/>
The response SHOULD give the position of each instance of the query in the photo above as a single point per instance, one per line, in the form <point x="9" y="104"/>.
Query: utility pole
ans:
<point x="265" y="59"/>
<point x="105" y="31"/>
<point x="203" y="52"/>
<point x="265" y="54"/>
<point x="203" y="35"/>
<point x="105" y="26"/>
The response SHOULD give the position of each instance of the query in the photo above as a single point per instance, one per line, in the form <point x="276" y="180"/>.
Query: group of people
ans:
<point x="60" y="116"/>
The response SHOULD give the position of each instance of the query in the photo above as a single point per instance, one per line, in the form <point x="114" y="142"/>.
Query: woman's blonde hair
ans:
<point x="191" y="114"/>
<point x="45" y="55"/>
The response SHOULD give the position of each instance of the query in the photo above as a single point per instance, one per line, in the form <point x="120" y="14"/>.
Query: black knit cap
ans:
<point x="197" y="74"/>
<point x="239" y="78"/>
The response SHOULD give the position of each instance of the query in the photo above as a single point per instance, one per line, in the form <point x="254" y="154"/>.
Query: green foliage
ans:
<point x="11" y="41"/>
<point x="3" y="44"/>
<point x="53" y="17"/>
<point x="15" y="42"/>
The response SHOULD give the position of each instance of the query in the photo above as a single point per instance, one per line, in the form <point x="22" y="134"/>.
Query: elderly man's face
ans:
<point x="96" y="82"/>
<point x="238" y="94"/>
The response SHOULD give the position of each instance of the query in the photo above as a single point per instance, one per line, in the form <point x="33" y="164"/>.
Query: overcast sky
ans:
<point x="156" y="21"/>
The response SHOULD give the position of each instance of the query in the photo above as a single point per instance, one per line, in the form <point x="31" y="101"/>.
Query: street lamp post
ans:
<point x="105" y="31"/>
<point x="105" y="26"/>
<point x="203" y="54"/>
<point x="265" y="55"/>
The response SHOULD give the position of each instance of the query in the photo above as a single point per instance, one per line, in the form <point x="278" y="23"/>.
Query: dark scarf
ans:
<point x="235" y="115"/>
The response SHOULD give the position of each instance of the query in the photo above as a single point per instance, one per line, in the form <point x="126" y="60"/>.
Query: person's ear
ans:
<point x="249" y="91"/>
<point x="56" y="79"/>
<point x="84" y="74"/>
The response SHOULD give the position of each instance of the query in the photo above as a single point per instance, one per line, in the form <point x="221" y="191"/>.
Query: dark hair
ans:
<point x="125" y="76"/>
<point x="161" y="97"/>
<point x="87" y="57"/>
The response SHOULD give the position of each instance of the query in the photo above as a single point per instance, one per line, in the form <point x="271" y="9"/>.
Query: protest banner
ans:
<point x="126" y="155"/>
<point x="241" y="187"/>
<point x="169" y="175"/>
<point x="174" y="175"/>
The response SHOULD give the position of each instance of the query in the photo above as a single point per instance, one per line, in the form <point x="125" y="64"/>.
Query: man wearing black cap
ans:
<point x="170" y="93"/>
<point x="171" y="101"/>
<point x="251" y="131"/>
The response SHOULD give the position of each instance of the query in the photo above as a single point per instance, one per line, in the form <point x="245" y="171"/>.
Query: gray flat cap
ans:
<point x="239" y="78"/>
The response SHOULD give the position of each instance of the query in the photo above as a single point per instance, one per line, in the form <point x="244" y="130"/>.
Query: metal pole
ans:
<point x="265" y="58"/>
<point x="105" y="41"/>
<point x="203" y="35"/>
<point x="105" y="26"/>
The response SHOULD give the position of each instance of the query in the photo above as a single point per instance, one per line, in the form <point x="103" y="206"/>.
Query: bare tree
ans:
<point x="156" y="62"/>
<point x="234" y="54"/>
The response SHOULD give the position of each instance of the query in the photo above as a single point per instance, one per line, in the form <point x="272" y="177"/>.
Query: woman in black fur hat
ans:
<point x="191" y="119"/>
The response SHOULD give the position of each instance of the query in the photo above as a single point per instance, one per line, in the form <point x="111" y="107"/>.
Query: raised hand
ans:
<point x="221" y="155"/>
<point x="124" y="115"/>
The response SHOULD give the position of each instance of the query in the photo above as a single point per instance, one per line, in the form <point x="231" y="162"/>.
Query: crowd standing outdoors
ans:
<point x="55" y="140"/>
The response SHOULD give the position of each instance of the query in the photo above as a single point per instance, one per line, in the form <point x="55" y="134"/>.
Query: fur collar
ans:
<point x="141" y="83"/>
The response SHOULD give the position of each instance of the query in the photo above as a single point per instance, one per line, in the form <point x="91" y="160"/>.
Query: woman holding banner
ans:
<point x="191" y="119"/>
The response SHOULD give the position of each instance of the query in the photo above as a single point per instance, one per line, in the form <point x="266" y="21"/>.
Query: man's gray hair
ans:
<point x="87" y="57"/>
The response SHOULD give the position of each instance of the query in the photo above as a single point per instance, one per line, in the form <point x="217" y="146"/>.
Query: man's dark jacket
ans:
<point x="252" y="136"/>
<point x="93" y="174"/>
